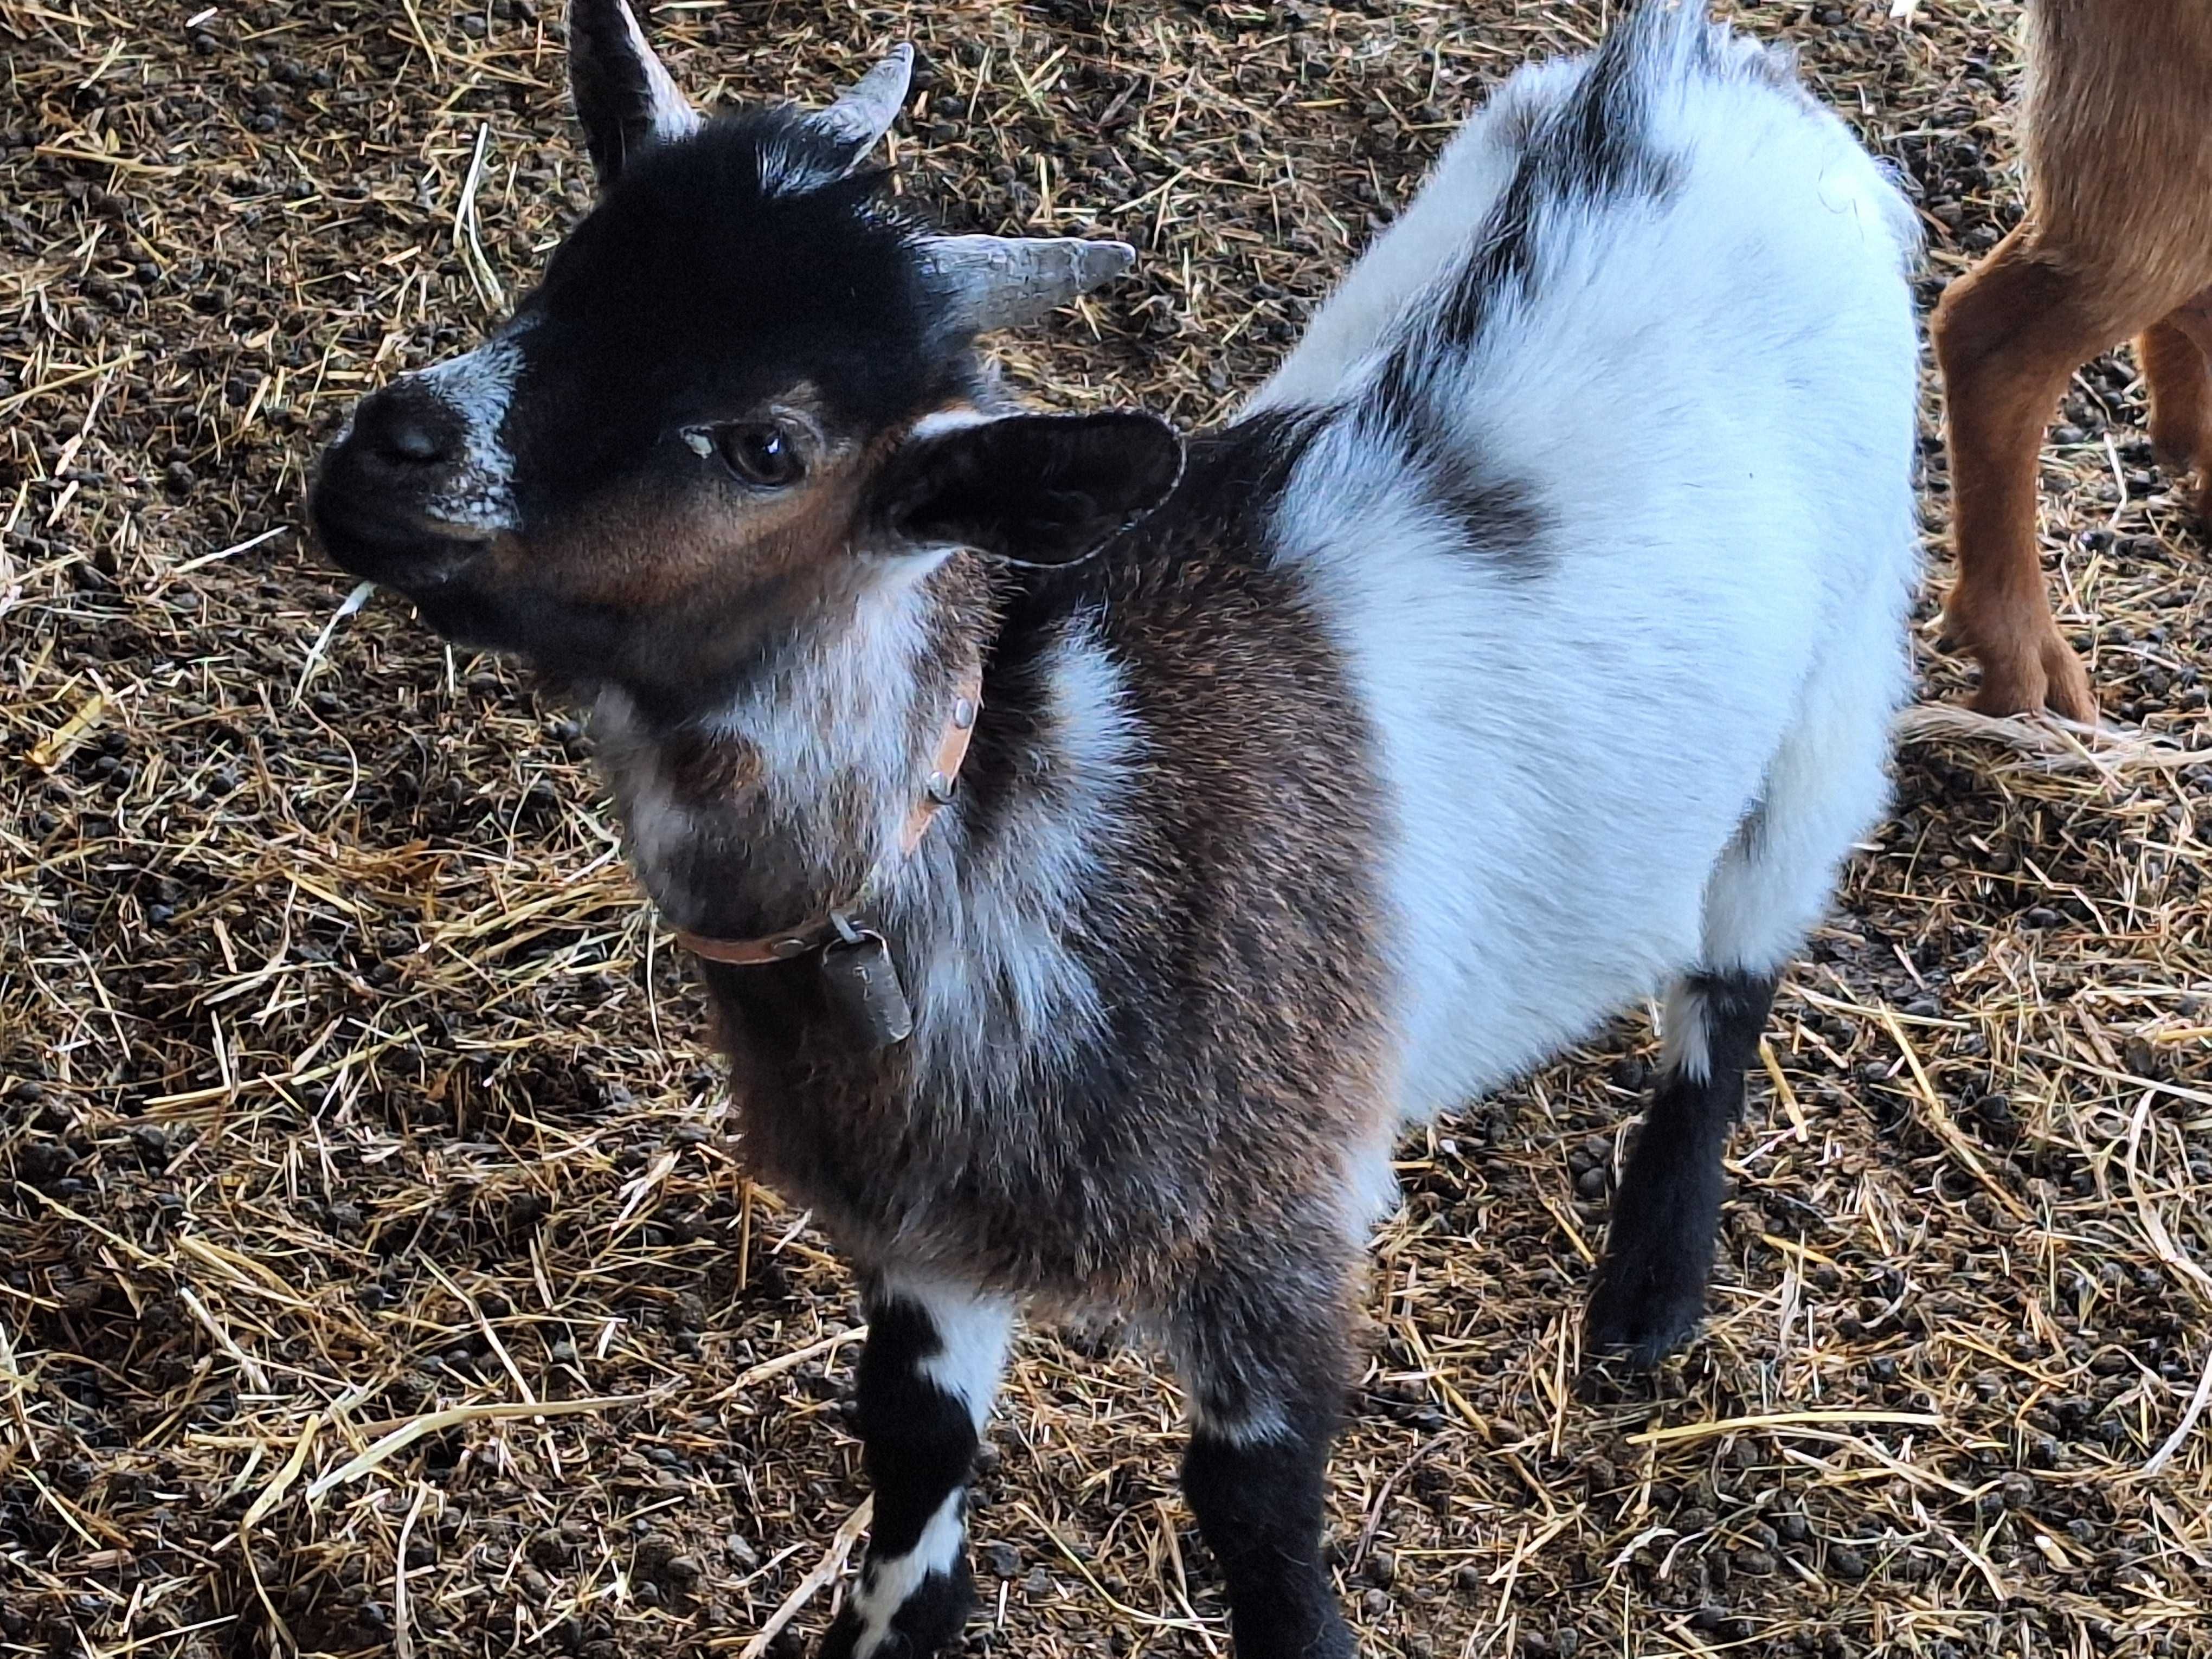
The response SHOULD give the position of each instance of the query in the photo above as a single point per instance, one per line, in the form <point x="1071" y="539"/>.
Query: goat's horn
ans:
<point x="866" y="113"/>
<point x="998" y="282"/>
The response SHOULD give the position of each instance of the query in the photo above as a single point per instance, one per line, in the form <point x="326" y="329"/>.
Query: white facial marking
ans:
<point x="479" y="386"/>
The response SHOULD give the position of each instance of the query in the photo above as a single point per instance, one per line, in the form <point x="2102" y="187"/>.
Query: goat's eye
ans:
<point x="759" y="452"/>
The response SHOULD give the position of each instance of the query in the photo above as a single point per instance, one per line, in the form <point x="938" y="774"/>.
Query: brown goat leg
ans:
<point x="2007" y="336"/>
<point x="2180" y="395"/>
<point x="2175" y="351"/>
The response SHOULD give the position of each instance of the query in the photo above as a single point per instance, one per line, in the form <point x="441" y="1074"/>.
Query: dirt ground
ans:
<point x="377" y="1272"/>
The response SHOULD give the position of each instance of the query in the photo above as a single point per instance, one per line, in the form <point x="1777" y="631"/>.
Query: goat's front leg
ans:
<point x="928" y="1377"/>
<point x="1265" y="1367"/>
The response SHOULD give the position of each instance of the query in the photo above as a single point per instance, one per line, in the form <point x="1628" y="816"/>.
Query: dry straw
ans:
<point x="377" y="1270"/>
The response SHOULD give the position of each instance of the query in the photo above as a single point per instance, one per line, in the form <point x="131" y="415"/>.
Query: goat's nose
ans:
<point x="408" y="429"/>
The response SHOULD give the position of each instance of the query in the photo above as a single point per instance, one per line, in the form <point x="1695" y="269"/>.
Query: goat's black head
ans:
<point x="745" y="395"/>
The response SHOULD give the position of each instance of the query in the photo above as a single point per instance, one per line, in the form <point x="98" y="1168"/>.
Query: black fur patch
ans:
<point x="1650" y="1288"/>
<point x="1500" y="518"/>
<point x="1031" y="489"/>
<point x="1596" y="145"/>
<point x="1260" y="1508"/>
<point x="695" y="289"/>
<point x="919" y="1441"/>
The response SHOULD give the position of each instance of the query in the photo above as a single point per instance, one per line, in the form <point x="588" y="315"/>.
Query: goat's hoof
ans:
<point x="929" y="1621"/>
<point x="844" y="1639"/>
<point x="2176" y="456"/>
<point x="2028" y="676"/>
<point x="1642" y="1325"/>
<point x="843" y="1642"/>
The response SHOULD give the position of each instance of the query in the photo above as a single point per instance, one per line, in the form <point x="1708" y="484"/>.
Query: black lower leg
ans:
<point x="1266" y="1375"/>
<point x="1651" y="1289"/>
<point x="1259" y="1504"/>
<point x="919" y="1441"/>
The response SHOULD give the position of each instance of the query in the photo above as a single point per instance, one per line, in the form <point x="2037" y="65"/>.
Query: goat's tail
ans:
<point x="1669" y="43"/>
<point x="1665" y="49"/>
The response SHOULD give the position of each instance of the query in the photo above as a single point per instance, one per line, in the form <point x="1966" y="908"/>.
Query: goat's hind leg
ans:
<point x="927" y="1376"/>
<point x="1771" y="887"/>
<point x="1650" y="1290"/>
<point x="2007" y="335"/>
<point x="2175" y="351"/>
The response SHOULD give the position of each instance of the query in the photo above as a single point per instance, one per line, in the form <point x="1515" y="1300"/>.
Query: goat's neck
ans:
<point x="779" y="802"/>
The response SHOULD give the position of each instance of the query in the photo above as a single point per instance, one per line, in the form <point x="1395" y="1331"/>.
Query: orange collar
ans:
<point x="937" y="791"/>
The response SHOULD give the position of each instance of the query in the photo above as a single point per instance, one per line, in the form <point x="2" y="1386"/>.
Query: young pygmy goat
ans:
<point x="1529" y="646"/>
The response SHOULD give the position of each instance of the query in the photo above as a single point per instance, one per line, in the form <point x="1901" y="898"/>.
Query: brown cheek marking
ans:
<point x="647" y="547"/>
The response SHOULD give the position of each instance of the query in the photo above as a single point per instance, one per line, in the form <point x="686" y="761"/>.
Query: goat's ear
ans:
<point x="1029" y="489"/>
<point x="625" y="98"/>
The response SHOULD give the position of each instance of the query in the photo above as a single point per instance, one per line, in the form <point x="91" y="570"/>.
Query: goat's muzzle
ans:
<point x="399" y="498"/>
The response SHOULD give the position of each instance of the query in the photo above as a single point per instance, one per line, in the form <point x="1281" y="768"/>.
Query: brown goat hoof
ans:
<point x="2042" y="673"/>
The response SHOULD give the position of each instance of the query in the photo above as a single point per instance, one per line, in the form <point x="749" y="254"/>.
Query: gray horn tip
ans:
<point x="1102" y="262"/>
<point x="866" y="113"/>
<point x="1001" y="281"/>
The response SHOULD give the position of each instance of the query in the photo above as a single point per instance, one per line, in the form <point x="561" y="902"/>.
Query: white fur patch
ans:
<point x="479" y="386"/>
<point x="658" y="826"/>
<point x="1002" y="999"/>
<point x="785" y="172"/>
<point x="972" y="1332"/>
<point x="885" y="1584"/>
<point x="1254" y="1428"/>
<point x="838" y="714"/>
<point x="948" y="420"/>
<point x="1723" y="545"/>
<point x="1685" y="1040"/>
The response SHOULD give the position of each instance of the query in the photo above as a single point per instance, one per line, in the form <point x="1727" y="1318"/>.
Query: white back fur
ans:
<point x="1707" y="395"/>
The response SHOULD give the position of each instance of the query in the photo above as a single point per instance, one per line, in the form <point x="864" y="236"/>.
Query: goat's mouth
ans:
<point x="412" y="553"/>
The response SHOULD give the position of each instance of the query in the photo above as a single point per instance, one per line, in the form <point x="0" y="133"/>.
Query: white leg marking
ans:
<point x="973" y="1332"/>
<point x="885" y="1584"/>
<point x="1685" y="1043"/>
<point x="1245" y="1429"/>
